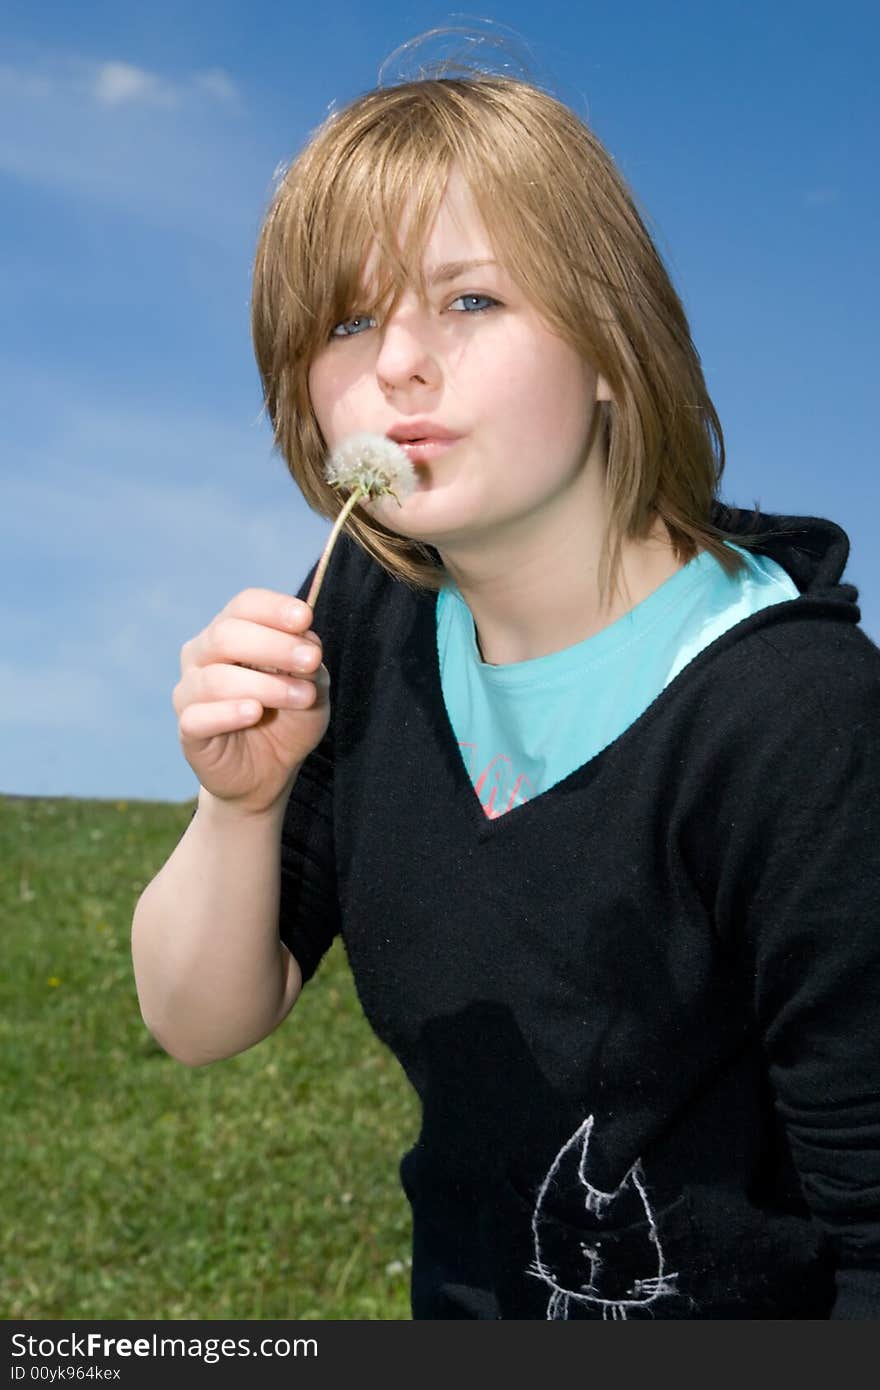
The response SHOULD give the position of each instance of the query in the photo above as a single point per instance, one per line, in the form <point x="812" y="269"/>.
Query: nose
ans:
<point x="406" y="356"/>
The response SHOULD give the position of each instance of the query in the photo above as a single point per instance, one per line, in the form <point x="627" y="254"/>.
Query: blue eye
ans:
<point x="476" y="304"/>
<point x="349" y="330"/>
<point x="488" y="302"/>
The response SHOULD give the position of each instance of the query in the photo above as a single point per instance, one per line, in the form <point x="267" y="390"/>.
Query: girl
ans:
<point x="582" y="764"/>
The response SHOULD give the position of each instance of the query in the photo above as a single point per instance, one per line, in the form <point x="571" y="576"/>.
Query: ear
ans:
<point x="603" y="390"/>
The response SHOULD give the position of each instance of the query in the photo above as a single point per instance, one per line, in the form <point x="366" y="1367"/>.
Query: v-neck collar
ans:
<point x="420" y="664"/>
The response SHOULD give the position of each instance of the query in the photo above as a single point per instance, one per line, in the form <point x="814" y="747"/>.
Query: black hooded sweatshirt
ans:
<point x="640" y="1011"/>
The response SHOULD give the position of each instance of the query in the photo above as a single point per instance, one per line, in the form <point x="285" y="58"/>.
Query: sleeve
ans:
<point x="309" y="916"/>
<point x="810" y="884"/>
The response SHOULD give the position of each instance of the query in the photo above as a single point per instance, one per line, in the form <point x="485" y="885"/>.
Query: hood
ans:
<point x="811" y="549"/>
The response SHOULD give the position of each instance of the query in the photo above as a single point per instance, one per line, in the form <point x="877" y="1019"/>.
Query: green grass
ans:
<point x="264" y="1186"/>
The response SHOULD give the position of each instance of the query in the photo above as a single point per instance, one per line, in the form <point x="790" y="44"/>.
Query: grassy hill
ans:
<point x="264" y="1186"/>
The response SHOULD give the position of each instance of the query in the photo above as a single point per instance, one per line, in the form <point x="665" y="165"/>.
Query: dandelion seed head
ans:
<point x="372" y="463"/>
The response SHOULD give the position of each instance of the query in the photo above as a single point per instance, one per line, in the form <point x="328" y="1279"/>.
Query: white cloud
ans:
<point x="111" y="83"/>
<point x="119" y="134"/>
<point x="117" y="83"/>
<point x="217" y="84"/>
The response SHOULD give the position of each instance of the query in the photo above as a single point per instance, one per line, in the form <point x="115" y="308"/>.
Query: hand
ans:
<point x="259" y="649"/>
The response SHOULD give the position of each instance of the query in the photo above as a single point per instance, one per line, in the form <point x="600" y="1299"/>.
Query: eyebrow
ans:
<point x="450" y="270"/>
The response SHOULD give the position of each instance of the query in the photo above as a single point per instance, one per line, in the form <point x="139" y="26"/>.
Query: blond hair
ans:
<point x="566" y="228"/>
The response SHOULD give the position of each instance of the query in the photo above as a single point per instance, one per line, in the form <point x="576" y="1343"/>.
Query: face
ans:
<point x="477" y="362"/>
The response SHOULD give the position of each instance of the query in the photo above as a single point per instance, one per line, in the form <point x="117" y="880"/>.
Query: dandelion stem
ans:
<point x="324" y="561"/>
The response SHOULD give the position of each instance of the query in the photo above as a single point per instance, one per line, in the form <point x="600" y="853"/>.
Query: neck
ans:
<point x="536" y="593"/>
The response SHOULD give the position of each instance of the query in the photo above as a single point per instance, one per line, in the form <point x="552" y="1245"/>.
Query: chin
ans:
<point x="420" y="520"/>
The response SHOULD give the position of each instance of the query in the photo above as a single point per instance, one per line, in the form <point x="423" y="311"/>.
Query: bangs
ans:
<point x="396" y="160"/>
<point x="343" y="243"/>
<point x="358" y="261"/>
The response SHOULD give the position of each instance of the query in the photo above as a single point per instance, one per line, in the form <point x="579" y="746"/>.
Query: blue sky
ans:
<point x="138" y="147"/>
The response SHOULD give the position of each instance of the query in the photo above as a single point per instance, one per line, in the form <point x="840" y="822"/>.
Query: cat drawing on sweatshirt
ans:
<point x="611" y="1258"/>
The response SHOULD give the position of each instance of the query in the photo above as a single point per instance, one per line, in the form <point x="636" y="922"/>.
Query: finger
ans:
<point x="270" y="609"/>
<point x="226" y="684"/>
<point x="239" y="642"/>
<point x="206" y="721"/>
<point x="263" y="608"/>
<point x="223" y="683"/>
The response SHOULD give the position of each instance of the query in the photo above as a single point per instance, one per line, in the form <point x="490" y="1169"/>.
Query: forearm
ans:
<point x="211" y="974"/>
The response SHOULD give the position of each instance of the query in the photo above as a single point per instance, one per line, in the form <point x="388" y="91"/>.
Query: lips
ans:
<point x="421" y="432"/>
<point x="423" y="450"/>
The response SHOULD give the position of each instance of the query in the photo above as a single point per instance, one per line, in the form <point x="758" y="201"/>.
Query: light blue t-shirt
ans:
<point x="525" y="726"/>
